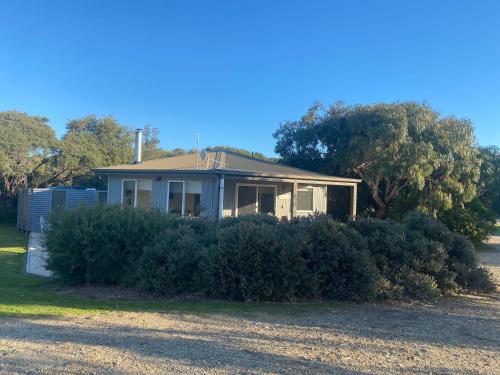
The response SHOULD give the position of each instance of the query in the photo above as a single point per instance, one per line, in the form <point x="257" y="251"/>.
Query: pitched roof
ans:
<point x="221" y="162"/>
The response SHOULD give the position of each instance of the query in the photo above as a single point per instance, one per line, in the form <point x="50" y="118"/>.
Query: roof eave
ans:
<point x="218" y="171"/>
<point x="292" y="177"/>
<point x="105" y="171"/>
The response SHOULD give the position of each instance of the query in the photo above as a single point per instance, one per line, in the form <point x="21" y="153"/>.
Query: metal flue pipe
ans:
<point x="138" y="146"/>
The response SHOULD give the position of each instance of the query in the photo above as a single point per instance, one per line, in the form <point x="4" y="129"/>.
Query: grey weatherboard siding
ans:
<point x="209" y="194"/>
<point x="159" y="190"/>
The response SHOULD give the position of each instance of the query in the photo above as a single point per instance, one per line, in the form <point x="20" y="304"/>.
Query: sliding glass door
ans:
<point x="266" y="200"/>
<point x="247" y="200"/>
<point x="252" y="199"/>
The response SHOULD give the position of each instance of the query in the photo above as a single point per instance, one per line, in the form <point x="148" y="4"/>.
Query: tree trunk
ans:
<point x="380" y="212"/>
<point x="381" y="204"/>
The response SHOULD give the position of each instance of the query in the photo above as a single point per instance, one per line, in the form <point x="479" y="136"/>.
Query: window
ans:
<point x="128" y="193"/>
<point x="184" y="198"/>
<point x="175" y="193"/>
<point x="137" y="193"/>
<point x="305" y="199"/>
<point x="144" y="188"/>
<point x="192" y="199"/>
<point x="251" y="199"/>
<point x="266" y="200"/>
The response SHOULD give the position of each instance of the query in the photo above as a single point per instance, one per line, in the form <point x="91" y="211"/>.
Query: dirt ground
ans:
<point x="457" y="336"/>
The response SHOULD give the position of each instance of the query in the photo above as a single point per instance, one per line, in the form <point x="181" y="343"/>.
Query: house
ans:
<point x="220" y="184"/>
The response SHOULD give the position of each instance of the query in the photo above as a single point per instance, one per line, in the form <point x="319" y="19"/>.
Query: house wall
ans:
<point x="283" y="201"/>
<point x="210" y="194"/>
<point x="209" y="198"/>
<point x="159" y="193"/>
<point x="115" y="189"/>
<point x="320" y="194"/>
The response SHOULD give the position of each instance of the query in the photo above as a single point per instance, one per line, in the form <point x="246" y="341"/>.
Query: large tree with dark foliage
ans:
<point x="88" y="142"/>
<point x="477" y="218"/>
<point x="32" y="156"/>
<point x="26" y="145"/>
<point x="395" y="147"/>
<point x="489" y="184"/>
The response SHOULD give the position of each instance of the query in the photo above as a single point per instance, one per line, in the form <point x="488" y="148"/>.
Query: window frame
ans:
<point x="275" y="187"/>
<point x="183" y="214"/>
<point x="136" y="180"/>
<point x="305" y="188"/>
<point x="183" y="195"/>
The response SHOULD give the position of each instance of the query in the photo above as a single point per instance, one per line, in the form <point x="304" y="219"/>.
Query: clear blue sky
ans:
<point x="233" y="70"/>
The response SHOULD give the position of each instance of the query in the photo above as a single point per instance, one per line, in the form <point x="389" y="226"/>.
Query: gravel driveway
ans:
<point x="456" y="336"/>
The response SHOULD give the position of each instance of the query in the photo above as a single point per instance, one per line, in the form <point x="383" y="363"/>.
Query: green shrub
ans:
<point x="461" y="251"/>
<point x="386" y="241"/>
<point x="101" y="245"/>
<point x="426" y="256"/>
<point x="428" y="226"/>
<point x="338" y="259"/>
<point x="461" y="260"/>
<point x="395" y="249"/>
<point x="478" y="279"/>
<point x="418" y="286"/>
<point x="388" y="290"/>
<point x="65" y="239"/>
<point x="256" y="219"/>
<point x="172" y="264"/>
<point x="253" y="261"/>
<point x="203" y="229"/>
<point x="258" y="258"/>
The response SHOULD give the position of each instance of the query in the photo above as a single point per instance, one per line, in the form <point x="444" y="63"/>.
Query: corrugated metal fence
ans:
<point x="36" y="203"/>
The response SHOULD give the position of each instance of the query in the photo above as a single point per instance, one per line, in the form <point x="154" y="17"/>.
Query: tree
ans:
<point x="88" y="142"/>
<point x="26" y="145"/>
<point x="74" y="157"/>
<point x="151" y="144"/>
<point x="476" y="219"/>
<point x="489" y="183"/>
<point x="113" y="140"/>
<point x="392" y="147"/>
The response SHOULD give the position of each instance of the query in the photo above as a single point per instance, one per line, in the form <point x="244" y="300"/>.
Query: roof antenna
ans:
<point x="197" y="136"/>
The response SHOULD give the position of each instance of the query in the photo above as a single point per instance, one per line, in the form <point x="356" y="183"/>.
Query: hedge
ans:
<point x="258" y="258"/>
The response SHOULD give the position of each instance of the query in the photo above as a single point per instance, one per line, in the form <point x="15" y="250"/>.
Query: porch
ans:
<point x="285" y="198"/>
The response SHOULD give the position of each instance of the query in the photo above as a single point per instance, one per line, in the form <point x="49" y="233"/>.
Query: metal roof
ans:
<point x="221" y="162"/>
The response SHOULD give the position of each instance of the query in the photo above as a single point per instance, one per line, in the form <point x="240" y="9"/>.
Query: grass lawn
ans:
<point x="24" y="294"/>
